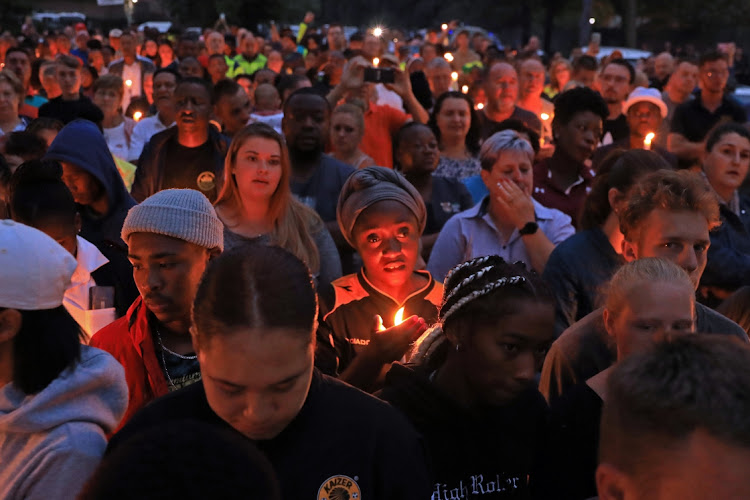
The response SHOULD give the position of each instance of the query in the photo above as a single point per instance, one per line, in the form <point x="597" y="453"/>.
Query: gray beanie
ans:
<point x="184" y="214"/>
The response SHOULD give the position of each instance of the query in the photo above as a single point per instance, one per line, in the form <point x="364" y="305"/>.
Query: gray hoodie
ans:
<point x="51" y="442"/>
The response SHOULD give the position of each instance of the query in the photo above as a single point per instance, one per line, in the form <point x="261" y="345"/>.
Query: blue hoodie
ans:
<point x="82" y="144"/>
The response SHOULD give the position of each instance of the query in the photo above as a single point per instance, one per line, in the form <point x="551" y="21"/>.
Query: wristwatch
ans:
<point x="529" y="228"/>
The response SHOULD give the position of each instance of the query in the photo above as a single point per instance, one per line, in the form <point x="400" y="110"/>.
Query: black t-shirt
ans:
<point x="693" y="121"/>
<point x="67" y="111"/>
<point x="529" y="119"/>
<point x="342" y="444"/>
<point x="618" y="128"/>
<point x="480" y="454"/>
<point x="570" y="454"/>
<point x="180" y="371"/>
<point x="191" y="168"/>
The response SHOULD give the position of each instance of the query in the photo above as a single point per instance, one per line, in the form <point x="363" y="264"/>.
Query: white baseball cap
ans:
<point x="34" y="269"/>
<point x="642" y="94"/>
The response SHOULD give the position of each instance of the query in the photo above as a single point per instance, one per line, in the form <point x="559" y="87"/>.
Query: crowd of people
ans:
<point x="377" y="266"/>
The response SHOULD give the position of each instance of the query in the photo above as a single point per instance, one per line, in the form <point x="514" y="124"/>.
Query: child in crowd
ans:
<point x="383" y="217"/>
<point x="267" y="106"/>
<point x="474" y="397"/>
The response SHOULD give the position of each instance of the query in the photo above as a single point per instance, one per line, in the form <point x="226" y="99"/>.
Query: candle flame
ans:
<point x="454" y="76"/>
<point x="480" y="106"/>
<point x="377" y="31"/>
<point x="444" y="26"/>
<point x="465" y="89"/>
<point x="647" y="141"/>
<point x="137" y="116"/>
<point x="544" y="117"/>
<point x="375" y="61"/>
<point x="129" y="83"/>
<point x="448" y="57"/>
<point x="399" y="317"/>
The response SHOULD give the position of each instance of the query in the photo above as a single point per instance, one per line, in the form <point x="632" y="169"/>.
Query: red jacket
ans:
<point x="130" y="341"/>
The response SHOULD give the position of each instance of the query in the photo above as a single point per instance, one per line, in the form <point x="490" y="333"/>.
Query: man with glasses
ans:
<point x="693" y="119"/>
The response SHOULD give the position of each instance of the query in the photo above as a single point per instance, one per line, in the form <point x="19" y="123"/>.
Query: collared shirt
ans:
<point x="473" y="233"/>
<point x="143" y="131"/>
<point x="76" y="299"/>
<point x="693" y="121"/>
<point x="568" y="201"/>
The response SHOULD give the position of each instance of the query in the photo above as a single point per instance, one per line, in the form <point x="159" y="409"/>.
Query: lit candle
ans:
<point x="129" y="83"/>
<point x="480" y="106"/>
<point x="375" y="61"/>
<point x="544" y="117"/>
<point x="465" y="89"/>
<point x="444" y="26"/>
<point x="647" y="141"/>
<point x="377" y="31"/>
<point x="137" y="116"/>
<point x="397" y="320"/>
<point x="454" y="76"/>
<point x="448" y="57"/>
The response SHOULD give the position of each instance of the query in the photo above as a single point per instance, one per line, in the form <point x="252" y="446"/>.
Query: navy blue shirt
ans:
<point x="575" y="272"/>
<point x="321" y="190"/>
<point x="449" y="197"/>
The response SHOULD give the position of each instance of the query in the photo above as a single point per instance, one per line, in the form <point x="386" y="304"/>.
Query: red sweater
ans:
<point x="129" y="340"/>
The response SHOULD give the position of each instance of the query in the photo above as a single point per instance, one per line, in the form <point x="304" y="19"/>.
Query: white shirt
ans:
<point x="270" y="120"/>
<point x="387" y="97"/>
<point x="142" y="133"/>
<point x="76" y="298"/>
<point x="117" y="142"/>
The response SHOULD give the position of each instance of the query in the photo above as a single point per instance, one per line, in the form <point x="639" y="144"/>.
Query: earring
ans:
<point x="458" y="347"/>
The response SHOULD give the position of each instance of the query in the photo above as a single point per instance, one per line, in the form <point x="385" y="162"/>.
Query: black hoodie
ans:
<point x="475" y="455"/>
<point x="82" y="144"/>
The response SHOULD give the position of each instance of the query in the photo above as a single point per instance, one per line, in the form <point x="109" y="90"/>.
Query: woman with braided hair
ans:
<point x="473" y="397"/>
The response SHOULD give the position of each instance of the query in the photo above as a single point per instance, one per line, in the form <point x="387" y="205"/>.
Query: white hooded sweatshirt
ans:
<point x="51" y="442"/>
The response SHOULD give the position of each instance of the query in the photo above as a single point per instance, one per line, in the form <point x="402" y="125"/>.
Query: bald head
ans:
<point x="267" y="98"/>
<point x="663" y="65"/>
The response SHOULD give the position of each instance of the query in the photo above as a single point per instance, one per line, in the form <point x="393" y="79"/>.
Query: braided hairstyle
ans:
<point x="482" y="291"/>
<point x="486" y="288"/>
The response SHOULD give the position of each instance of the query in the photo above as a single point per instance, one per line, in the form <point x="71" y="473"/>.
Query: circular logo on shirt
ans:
<point x="206" y="181"/>
<point x="339" y="488"/>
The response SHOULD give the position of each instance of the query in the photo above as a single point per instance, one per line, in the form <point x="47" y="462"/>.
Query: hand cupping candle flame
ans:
<point x="397" y="320"/>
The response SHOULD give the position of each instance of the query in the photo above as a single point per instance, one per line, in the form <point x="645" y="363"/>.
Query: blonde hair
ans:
<point x="293" y="222"/>
<point x="634" y="274"/>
